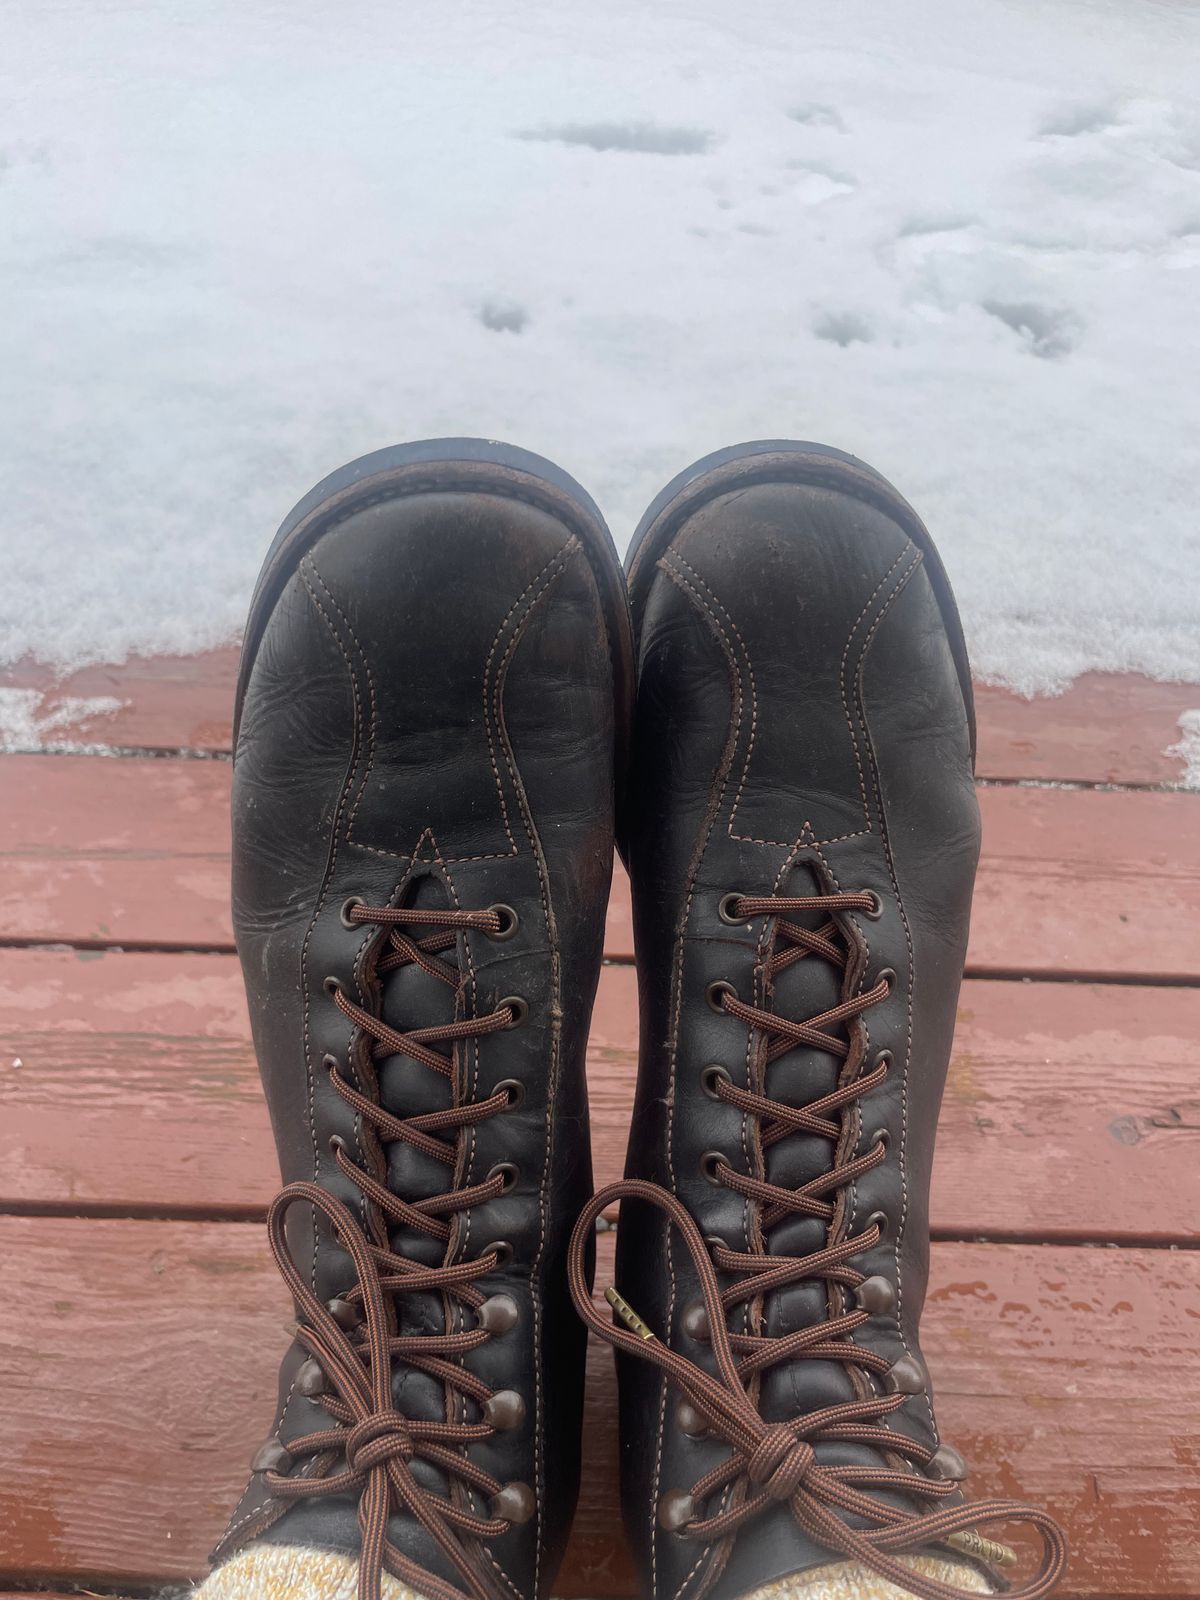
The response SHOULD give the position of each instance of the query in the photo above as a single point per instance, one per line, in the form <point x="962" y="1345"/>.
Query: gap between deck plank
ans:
<point x="1070" y="1110"/>
<point x="1106" y="728"/>
<point x="110" y="853"/>
<point x="1035" y="1357"/>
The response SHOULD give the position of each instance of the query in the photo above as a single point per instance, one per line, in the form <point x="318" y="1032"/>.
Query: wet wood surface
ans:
<point x="1072" y="882"/>
<point x="1069" y="1376"/>
<point x="142" y="1321"/>
<point x="1103" y="729"/>
<point x="1072" y="1111"/>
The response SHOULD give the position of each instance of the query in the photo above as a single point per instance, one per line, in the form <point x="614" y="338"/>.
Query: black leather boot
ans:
<point x="434" y="689"/>
<point x="802" y="840"/>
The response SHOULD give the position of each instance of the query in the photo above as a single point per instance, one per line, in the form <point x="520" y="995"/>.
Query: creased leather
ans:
<point x="800" y="723"/>
<point x="429" y="720"/>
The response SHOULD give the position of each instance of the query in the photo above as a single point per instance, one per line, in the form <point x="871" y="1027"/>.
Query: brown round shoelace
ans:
<point x="351" y="1342"/>
<point x="771" y="1462"/>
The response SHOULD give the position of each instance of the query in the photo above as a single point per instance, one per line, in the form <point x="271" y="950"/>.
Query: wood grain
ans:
<point x="166" y="702"/>
<point x="1069" y="1376"/>
<point x="128" y="1083"/>
<point x="99" y="850"/>
<point x="139" y="1348"/>
<point x="1104" y="729"/>
<point x="1072" y="882"/>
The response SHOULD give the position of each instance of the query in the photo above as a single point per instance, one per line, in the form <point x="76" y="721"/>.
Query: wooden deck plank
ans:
<point x="1072" y="1110"/>
<point x="136" y="852"/>
<point x="1070" y="1376"/>
<point x="1077" y="881"/>
<point x="1105" y="728"/>
<point x="114" y="852"/>
<point x="1070" y="882"/>
<point x="166" y="702"/>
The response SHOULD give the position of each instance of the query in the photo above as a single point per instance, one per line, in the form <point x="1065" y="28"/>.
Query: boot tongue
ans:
<point x="411" y="999"/>
<point x="802" y="991"/>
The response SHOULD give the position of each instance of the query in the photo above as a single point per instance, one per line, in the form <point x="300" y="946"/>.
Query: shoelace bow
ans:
<point x="350" y="1341"/>
<point x="776" y="1462"/>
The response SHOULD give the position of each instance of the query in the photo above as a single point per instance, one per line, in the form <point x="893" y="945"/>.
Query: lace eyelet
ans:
<point x="345" y="1313"/>
<point x="310" y="1379"/>
<point x="689" y="1421"/>
<point x="330" y="1063"/>
<point x="502" y="1250"/>
<point x="510" y="922"/>
<point x="906" y="1376"/>
<point x="347" y="907"/>
<point x="726" y="911"/>
<point x="947" y="1462"/>
<point x="710" y="1077"/>
<point x="694" y="1320"/>
<point x="514" y="1089"/>
<point x="875" y="1296"/>
<point x="332" y="987"/>
<point x="675" y="1510"/>
<point x="504" y="1410"/>
<point x="510" y="1173"/>
<point x="497" y="1314"/>
<point x="710" y="1164"/>
<point x="336" y="1143"/>
<point x="715" y="993"/>
<point x="514" y="1503"/>
<point x="272" y="1457"/>
<point x="883" y="1137"/>
<point x="884" y="1058"/>
<point x="714" y="1241"/>
<point x="881" y="1220"/>
<point x="888" y="976"/>
<point x="519" y="1008"/>
<point x="876" y="910"/>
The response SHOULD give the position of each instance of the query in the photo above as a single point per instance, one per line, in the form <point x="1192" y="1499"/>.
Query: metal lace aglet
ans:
<point x="974" y="1544"/>
<point x="627" y="1314"/>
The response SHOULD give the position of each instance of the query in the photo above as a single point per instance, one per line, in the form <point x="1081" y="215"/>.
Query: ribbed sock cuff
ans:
<point x="850" y="1580"/>
<point x="292" y="1572"/>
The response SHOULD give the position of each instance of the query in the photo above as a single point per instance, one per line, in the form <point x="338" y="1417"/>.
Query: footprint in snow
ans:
<point x="503" y="316"/>
<point x="812" y="186"/>
<point x="814" y="116"/>
<point x="843" y="328"/>
<point x="1073" y="122"/>
<point x="638" y="138"/>
<point x="1047" y="333"/>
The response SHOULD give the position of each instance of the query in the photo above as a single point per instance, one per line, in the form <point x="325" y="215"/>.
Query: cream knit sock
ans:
<point x="290" y="1572"/>
<point x="850" y="1580"/>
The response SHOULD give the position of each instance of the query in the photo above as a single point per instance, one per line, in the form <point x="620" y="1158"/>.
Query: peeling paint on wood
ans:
<point x="1071" y="1110"/>
<point x="169" y="1348"/>
<point x="1103" y="729"/>
<point x="120" y="852"/>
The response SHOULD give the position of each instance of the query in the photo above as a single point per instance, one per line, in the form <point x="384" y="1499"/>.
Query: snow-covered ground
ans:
<point x="244" y="240"/>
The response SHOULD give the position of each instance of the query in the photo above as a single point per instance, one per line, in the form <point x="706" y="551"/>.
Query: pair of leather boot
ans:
<point x="451" y="700"/>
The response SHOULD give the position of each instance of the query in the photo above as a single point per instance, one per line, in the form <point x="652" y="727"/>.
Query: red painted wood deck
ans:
<point x="141" y="1322"/>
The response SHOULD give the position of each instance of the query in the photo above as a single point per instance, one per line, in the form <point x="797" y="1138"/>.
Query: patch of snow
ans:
<point x="243" y="243"/>
<point x="27" y="723"/>
<point x="1188" y="749"/>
